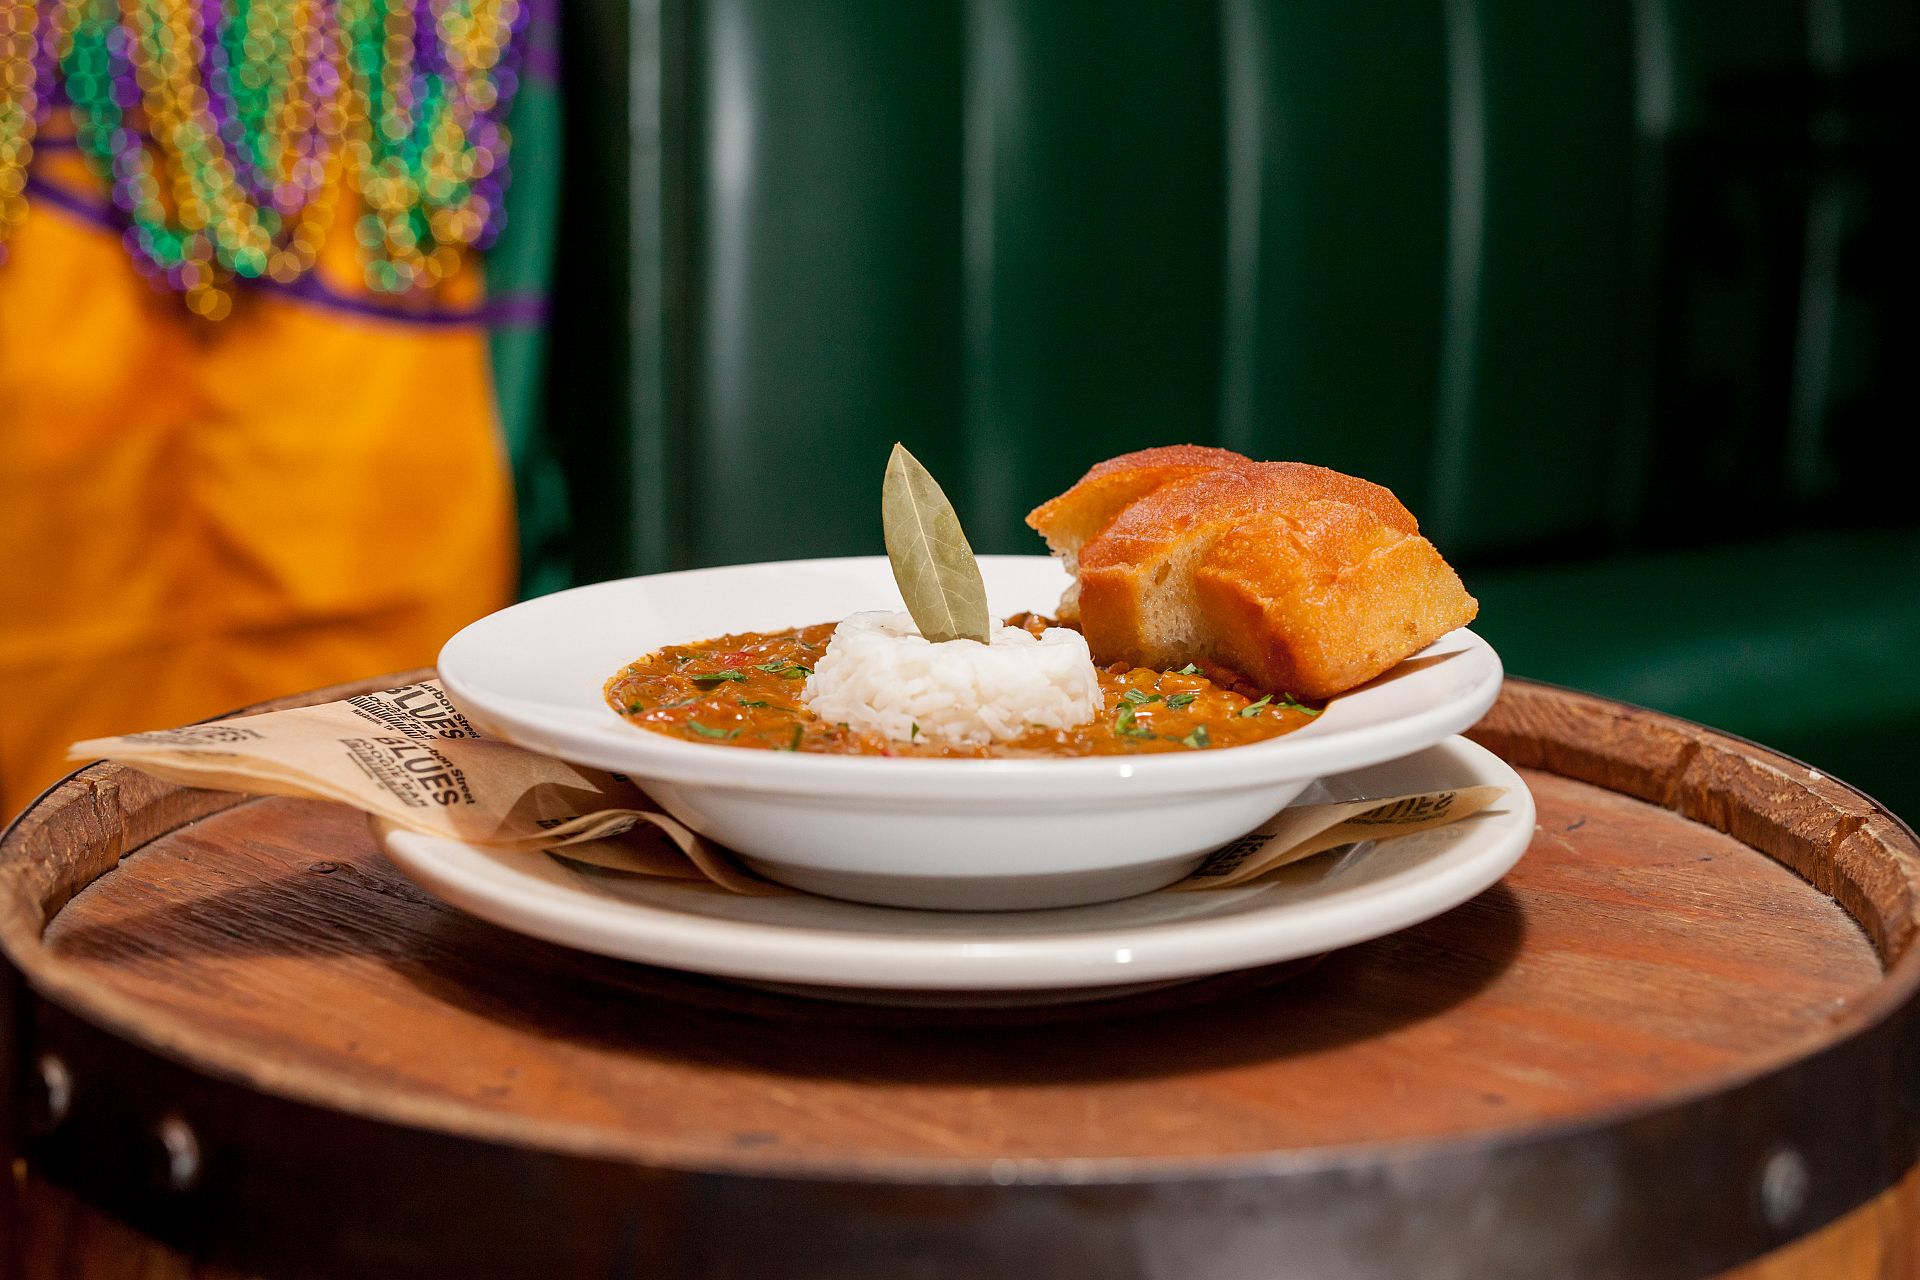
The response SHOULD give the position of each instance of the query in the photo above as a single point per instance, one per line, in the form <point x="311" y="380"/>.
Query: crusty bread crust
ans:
<point x="1319" y="600"/>
<point x="1192" y="457"/>
<point x="1301" y="579"/>
<point x="1082" y="512"/>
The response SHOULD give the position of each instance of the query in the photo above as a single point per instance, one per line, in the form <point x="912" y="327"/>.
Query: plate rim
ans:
<point x="651" y="934"/>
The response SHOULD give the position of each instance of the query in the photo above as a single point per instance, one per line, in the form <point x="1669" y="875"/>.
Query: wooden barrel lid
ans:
<point x="1677" y="1037"/>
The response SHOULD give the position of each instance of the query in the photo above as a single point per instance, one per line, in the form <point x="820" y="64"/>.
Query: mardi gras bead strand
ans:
<point x="227" y="130"/>
<point x="19" y="108"/>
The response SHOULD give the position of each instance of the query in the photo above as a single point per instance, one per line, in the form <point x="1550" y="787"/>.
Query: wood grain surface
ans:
<point x="1693" y="912"/>
<point x="1632" y="954"/>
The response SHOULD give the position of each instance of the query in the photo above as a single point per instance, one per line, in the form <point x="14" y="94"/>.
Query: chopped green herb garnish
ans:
<point x="1180" y="700"/>
<point x="796" y="672"/>
<point x="916" y="730"/>
<point x="1255" y="708"/>
<point x="635" y="708"/>
<point x="1139" y="699"/>
<point x="785" y="670"/>
<point x="705" y="732"/>
<point x="1188" y="670"/>
<point x="1124" y="726"/>
<point x="1288" y="701"/>
<point x="719" y="677"/>
<point x="775" y="667"/>
<point x="799" y="731"/>
<point x="752" y="702"/>
<point x="1198" y="738"/>
<point x="683" y="658"/>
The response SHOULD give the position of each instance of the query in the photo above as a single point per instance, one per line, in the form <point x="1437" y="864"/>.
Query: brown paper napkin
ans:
<point x="408" y="755"/>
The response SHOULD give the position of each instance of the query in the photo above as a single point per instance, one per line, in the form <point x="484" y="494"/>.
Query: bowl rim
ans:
<point x="1312" y="751"/>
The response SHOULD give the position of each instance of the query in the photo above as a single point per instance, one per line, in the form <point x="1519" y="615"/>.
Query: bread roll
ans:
<point x="1071" y="519"/>
<point x="1298" y="578"/>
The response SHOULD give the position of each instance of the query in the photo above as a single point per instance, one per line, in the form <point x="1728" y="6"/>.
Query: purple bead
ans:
<point x="44" y="68"/>
<point x="429" y="55"/>
<point x="323" y="81"/>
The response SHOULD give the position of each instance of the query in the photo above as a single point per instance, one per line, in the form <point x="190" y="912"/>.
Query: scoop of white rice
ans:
<point x="880" y="674"/>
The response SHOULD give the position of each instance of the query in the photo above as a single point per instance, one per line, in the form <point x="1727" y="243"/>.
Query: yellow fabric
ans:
<point x="199" y="515"/>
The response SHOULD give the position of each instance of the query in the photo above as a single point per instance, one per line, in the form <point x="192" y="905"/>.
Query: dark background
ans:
<point x="1618" y="298"/>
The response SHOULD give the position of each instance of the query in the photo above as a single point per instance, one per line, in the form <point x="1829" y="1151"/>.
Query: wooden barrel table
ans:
<point x="1678" y="1040"/>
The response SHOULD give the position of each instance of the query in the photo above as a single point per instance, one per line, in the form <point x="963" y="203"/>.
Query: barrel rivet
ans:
<point x="182" y="1151"/>
<point x="1784" y="1187"/>
<point x="57" y="1083"/>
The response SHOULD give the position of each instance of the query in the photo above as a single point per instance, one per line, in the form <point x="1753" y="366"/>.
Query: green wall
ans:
<point x="1617" y="297"/>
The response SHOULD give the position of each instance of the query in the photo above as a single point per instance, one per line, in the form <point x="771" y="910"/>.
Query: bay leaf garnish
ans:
<point x="932" y="563"/>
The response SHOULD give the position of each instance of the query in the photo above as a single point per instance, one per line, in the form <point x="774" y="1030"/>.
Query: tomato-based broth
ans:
<point x="745" y="691"/>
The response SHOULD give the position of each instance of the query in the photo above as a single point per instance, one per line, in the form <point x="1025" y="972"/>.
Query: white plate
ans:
<point x="848" y="950"/>
<point x="961" y="834"/>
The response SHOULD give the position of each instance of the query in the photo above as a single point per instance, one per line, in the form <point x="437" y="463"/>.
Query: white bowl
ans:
<point x="943" y="834"/>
